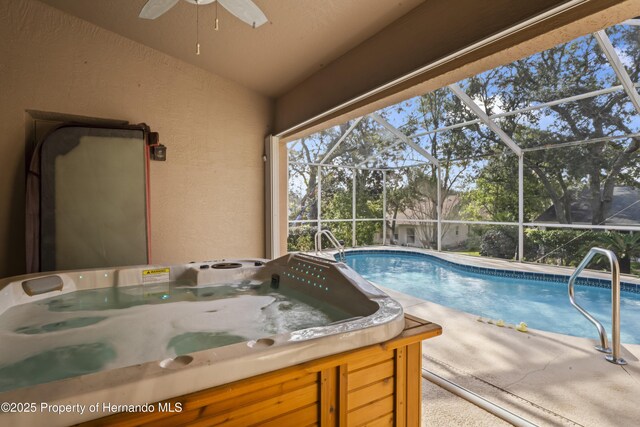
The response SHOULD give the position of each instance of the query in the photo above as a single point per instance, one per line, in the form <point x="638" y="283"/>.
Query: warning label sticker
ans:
<point x="156" y="275"/>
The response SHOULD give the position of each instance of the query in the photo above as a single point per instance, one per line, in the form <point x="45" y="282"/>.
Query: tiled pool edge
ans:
<point x="581" y="281"/>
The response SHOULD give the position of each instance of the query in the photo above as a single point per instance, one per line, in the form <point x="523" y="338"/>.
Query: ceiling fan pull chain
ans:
<point x="197" y="30"/>
<point x="215" y="27"/>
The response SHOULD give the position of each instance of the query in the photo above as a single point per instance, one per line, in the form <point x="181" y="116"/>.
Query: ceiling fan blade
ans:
<point x="246" y="11"/>
<point x="155" y="8"/>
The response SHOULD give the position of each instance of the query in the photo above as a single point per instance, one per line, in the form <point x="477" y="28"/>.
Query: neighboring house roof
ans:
<point x="624" y="208"/>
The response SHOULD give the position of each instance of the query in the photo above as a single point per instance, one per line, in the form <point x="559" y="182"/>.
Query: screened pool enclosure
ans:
<point x="536" y="160"/>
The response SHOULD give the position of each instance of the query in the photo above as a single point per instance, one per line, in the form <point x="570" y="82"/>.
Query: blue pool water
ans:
<point x="542" y="305"/>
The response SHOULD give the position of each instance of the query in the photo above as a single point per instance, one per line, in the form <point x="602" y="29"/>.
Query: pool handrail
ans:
<point x="332" y="239"/>
<point x="613" y="355"/>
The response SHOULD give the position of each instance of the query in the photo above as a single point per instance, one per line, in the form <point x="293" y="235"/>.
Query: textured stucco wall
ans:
<point x="206" y="200"/>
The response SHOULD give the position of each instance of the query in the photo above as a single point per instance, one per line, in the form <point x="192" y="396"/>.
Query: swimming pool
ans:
<point x="542" y="304"/>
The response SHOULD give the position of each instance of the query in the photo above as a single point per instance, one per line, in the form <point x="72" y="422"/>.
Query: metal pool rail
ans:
<point x="612" y="356"/>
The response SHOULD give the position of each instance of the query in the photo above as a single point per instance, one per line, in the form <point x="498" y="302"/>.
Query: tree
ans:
<point x="413" y="191"/>
<point x="573" y="68"/>
<point x="337" y="148"/>
<point x="303" y="193"/>
<point x="478" y="172"/>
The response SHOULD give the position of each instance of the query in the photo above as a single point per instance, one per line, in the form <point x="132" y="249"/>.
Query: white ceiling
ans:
<point x="301" y="36"/>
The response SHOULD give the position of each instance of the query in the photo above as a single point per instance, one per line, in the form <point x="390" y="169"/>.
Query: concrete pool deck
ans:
<point x="547" y="378"/>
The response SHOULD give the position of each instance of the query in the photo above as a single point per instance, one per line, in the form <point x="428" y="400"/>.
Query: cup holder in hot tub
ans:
<point x="226" y="265"/>
<point x="176" y="362"/>
<point x="261" y="343"/>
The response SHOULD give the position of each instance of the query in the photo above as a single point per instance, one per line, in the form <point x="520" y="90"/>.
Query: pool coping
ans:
<point x="506" y="268"/>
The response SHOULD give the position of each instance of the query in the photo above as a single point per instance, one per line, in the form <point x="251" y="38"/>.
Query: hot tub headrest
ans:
<point x="42" y="285"/>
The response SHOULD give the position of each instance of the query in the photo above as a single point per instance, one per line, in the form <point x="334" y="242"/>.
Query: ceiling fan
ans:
<point x="245" y="10"/>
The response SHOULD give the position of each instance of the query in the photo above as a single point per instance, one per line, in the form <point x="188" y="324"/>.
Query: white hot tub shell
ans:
<point x="373" y="317"/>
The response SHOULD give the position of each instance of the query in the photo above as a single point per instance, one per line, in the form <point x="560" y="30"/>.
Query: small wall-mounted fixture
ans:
<point x="158" y="151"/>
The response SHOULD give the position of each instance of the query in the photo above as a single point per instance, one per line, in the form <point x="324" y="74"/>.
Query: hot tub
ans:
<point x="132" y="336"/>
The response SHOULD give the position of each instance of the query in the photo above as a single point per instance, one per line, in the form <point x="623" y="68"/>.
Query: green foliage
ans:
<point x="366" y="232"/>
<point x="562" y="247"/>
<point x="341" y="230"/>
<point x="499" y="243"/>
<point x="569" y="247"/>
<point x="493" y="192"/>
<point x="337" y="206"/>
<point x="626" y="246"/>
<point x="301" y="238"/>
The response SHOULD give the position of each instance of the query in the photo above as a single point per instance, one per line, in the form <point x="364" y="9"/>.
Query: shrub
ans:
<point x="498" y="243"/>
<point x="301" y="238"/>
<point x="563" y="247"/>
